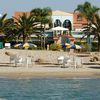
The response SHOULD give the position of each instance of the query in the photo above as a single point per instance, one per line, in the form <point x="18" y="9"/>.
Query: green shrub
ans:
<point x="94" y="46"/>
<point x="55" y="47"/>
<point x="78" y="42"/>
<point x="32" y="48"/>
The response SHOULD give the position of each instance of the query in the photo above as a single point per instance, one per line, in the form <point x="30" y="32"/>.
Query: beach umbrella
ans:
<point x="27" y="45"/>
<point x="68" y="45"/>
<point x="18" y="45"/>
<point x="75" y="46"/>
<point x="58" y="28"/>
<point x="65" y="44"/>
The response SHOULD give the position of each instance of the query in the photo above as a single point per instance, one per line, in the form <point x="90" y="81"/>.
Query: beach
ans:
<point x="45" y="70"/>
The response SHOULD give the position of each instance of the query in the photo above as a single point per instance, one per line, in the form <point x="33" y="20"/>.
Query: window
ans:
<point x="67" y="24"/>
<point x="57" y="23"/>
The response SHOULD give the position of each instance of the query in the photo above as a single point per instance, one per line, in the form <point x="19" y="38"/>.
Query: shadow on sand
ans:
<point x="94" y="67"/>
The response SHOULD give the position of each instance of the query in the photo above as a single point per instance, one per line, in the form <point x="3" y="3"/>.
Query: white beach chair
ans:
<point x="28" y="61"/>
<point x="78" y="62"/>
<point x="16" y="60"/>
<point x="68" y="62"/>
<point x="74" y="62"/>
<point x="64" y="61"/>
<point x="60" y="60"/>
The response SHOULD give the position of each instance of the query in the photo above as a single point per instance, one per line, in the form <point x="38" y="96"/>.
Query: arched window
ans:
<point x="67" y="24"/>
<point x="57" y="23"/>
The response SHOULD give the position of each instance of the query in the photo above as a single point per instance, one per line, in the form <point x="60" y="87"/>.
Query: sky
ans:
<point x="11" y="6"/>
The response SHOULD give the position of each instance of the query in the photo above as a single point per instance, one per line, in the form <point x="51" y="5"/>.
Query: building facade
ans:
<point x="78" y="21"/>
<point x="63" y="19"/>
<point x="73" y="21"/>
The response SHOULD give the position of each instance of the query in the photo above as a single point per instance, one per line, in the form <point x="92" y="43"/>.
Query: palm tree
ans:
<point x="94" y="29"/>
<point x="89" y="12"/>
<point x="10" y="30"/>
<point x="3" y="24"/>
<point x="6" y="27"/>
<point x="25" y="26"/>
<point x="42" y="17"/>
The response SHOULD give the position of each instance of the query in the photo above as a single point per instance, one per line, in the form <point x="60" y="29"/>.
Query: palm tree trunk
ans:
<point x="41" y="41"/>
<point x="25" y="39"/>
<point x="44" y="36"/>
<point x="98" y="42"/>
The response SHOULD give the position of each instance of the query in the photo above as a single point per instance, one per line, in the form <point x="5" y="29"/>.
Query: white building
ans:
<point x="62" y="18"/>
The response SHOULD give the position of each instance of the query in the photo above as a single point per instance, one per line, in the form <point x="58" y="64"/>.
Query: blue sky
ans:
<point x="10" y="6"/>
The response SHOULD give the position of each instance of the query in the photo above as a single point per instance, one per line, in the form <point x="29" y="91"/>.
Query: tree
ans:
<point x="89" y="12"/>
<point x="2" y="23"/>
<point x="96" y="29"/>
<point x="25" y="26"/>
<point x="93" y="29"/>
<point x="10" y="30"/>
<point x="6" y="27"/>
<point x="43" y="18"/>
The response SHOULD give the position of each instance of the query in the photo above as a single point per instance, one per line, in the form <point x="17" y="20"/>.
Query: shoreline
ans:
<point x="48" y="72"/>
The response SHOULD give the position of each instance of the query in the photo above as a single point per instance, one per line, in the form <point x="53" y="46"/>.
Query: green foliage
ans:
<point x="87" y="10"/>
<point x="40" y="48"/>
<point x="78" y="42"/>
<point x="94" y="46"/>
<point x="32" y="48"/>
<point x="25" y="26"/>
<point x="42" y="16"/>
<point x="7" y="28"/>
<point x="91" y="14"/>
<point x="55" y="47"/>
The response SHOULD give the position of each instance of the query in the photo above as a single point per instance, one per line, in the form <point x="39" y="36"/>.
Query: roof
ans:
<point x="17" y="14"/>
<point x="58" y="12"/>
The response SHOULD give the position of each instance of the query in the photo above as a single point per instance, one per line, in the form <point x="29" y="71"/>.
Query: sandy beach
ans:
<point x="46" y="70"/>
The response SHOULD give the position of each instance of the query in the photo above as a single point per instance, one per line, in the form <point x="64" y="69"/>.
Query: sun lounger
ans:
<point x="72" y="61"/>
<point x="67" y="63"/>
<point x="60" y="60"/>
<point x="64" y="61"/>
<point x="19" y="60"/>
<point x="16" y="60"/>
<point x="78" y="62"/>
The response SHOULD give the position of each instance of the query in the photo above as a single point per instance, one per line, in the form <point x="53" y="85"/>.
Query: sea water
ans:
<point x="49" y="89"/>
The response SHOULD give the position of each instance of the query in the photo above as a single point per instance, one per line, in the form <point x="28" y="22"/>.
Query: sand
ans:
<point x="48" y="70"/>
